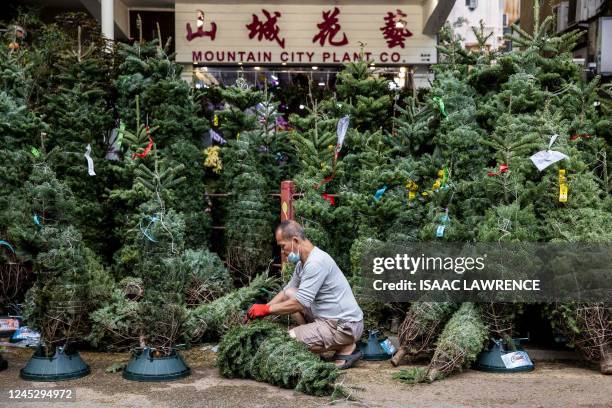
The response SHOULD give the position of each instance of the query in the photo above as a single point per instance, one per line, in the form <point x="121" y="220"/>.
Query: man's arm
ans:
<point x="294" y="282"/>
<point x="278" y="298"/>
<point x="286" y="307"/>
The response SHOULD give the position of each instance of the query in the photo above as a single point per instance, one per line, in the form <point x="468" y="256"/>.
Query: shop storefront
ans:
<point x="275" y="41"/>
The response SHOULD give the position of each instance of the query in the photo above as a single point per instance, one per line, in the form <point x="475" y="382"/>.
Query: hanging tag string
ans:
<point x="146" y="231"/>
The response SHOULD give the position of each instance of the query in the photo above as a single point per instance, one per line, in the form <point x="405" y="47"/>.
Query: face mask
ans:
<point x="293" y="257"/>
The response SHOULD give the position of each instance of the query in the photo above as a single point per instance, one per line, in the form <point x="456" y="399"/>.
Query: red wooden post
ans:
<point x="287" y="191"/>
<point x="286" y="213"/>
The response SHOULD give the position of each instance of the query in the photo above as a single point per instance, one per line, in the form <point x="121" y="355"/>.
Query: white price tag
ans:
<point x="516" y="359"/>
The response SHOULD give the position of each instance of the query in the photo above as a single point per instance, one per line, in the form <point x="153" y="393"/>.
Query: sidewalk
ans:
<point x="552" y="384"/>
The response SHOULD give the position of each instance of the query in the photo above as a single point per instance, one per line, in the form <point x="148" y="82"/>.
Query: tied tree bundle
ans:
<point x="589" y="328"/>
<point x="265" y="352"/>
<point x="15" y="276"/>
<point x="461" y="340"/>
<point x="249" y="221"/>
<point x="458" y="346"/>
<point x="208" y="279"/>
<point x="423" y="323"/>
<point x="211" y="320"/>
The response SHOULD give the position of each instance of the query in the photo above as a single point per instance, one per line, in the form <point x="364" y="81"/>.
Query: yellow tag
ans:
<point x="562" y="186"/>
<point x="284" y="207"/>
<point x="216" y="120"/>
<point x="438" y="183"/>
<point x="563" y="193"/>
<point x="238" y="136"/>
<point x="412" y="188"/>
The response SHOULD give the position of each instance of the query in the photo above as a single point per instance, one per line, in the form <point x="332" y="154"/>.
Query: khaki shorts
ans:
<point x="328" y="334"/>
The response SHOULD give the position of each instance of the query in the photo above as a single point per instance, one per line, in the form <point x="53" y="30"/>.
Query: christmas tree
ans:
<point x="157" y="316"/>
<point x="168" y="104"/>
<point x="256" y="162"/>
<point x="495" y="112"/>
<point x="212" y="320"/>
<point x="265" y="352"/>
<point x="71" y="281"/>
<point x="77" y="108"/>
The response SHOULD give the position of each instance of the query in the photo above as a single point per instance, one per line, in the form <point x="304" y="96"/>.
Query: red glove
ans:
<point x="258" y="310"/>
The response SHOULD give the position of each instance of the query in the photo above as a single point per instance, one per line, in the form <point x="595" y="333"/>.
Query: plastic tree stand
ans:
<point x="490" y="359"/>
<point x="372" y="350"/>
<point x="61" y="366"/>
<point x="145" y="367"/>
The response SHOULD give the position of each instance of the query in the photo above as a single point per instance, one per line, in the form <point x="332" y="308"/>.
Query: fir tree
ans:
<point x="265" y="352"/>
<point x="71" y="282"/>
<point x="78" y="112"/>
<point x="249" y="222"/>
<point x="168" y="104"/>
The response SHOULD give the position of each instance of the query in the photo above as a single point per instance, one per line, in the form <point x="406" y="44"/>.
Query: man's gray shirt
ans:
<point x="322" y="287"/>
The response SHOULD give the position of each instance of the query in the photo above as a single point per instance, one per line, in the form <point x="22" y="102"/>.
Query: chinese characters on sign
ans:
<point x="329" y="28"/>
<point x="266" y="29"/>
<point x="288" y="34"/>
<point x="212" y="33"/>
<point x="394" y="30"/>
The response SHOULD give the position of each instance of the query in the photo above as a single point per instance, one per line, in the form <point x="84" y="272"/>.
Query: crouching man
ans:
<point x="318" y="297"/>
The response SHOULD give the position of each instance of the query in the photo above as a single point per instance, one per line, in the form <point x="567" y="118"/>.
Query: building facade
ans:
<point x="213" y="39"/>
<point x="593" y="17"/>
<point x="496" y="16"/>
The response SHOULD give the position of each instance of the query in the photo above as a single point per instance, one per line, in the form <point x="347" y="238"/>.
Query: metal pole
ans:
<point x="108" y="19"/>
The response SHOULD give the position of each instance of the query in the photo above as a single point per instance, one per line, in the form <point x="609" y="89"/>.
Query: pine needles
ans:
<point x="211" y="320"/>
<point x="265" y="352"/>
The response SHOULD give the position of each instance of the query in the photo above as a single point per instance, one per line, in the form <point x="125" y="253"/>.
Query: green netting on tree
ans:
<point x="265" y="352"/>
<point x="212" y="320"/>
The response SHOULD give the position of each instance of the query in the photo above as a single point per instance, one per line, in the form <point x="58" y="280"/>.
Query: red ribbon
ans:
<point x="330" y="198"/>
<point x="331" y="176"/>
<point x="146" y="149"/>
<point x="580" y="136"/>
<point x="503" y="168"/>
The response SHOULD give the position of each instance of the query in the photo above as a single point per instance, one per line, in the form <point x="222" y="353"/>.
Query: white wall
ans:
<point x="490" y="11"/>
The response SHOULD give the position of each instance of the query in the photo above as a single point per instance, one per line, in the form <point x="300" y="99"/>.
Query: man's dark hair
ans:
<point x="290" y="229"/>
